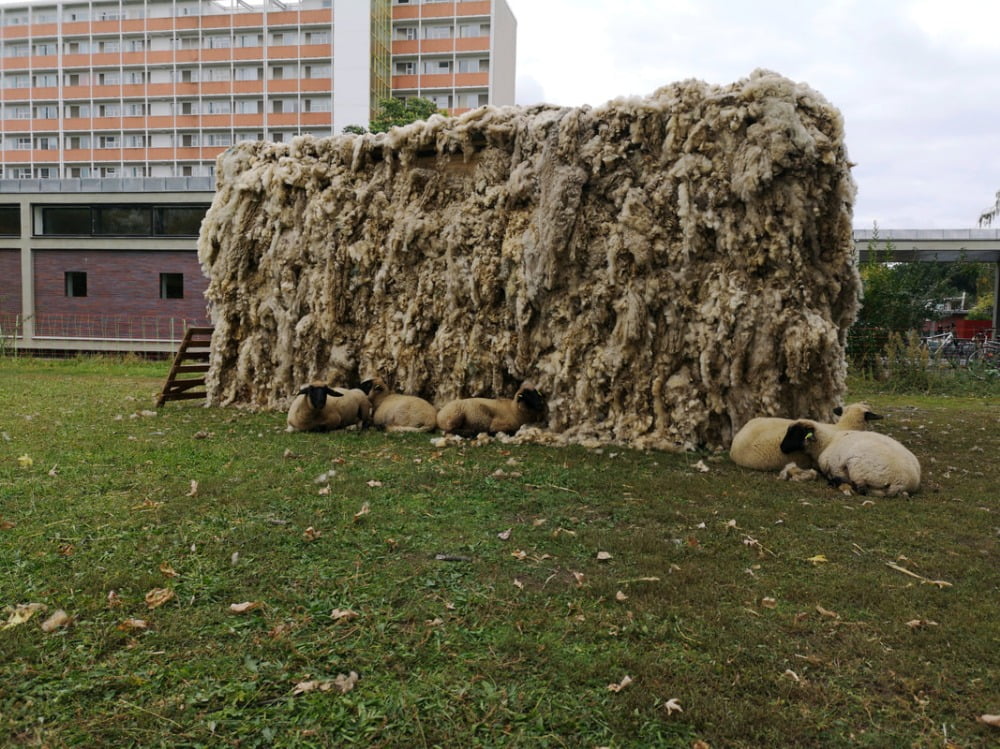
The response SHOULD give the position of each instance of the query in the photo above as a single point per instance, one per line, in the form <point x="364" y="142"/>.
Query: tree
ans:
<point x="397" y="112"/>
<point x="990" y="215"/>
<point x="355" y="129"/>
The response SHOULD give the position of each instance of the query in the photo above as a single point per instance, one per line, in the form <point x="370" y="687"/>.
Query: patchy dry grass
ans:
<point x="715" y="594"/>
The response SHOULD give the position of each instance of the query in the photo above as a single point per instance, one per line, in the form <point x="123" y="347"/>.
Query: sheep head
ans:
<point x="316" y="395"/>
<point x="798" y="436"/>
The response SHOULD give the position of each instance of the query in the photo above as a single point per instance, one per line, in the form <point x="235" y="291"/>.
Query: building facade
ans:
<point x="158" y="88"/>
<point x="141" y="96"/>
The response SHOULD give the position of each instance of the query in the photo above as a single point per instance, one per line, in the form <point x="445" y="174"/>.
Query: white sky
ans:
<point x="918" y="81"/>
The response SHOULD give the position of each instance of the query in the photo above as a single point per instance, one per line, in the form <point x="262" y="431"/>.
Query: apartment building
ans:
<point x="129" y="102"/>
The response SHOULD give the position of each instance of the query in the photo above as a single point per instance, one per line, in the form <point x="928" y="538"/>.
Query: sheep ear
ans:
<point x="872" y="416"/>
<point x="366" y="387"/>
<point x="304" y="390"/>
<point x="334" y="393"/>
<point x="838" y="411"/>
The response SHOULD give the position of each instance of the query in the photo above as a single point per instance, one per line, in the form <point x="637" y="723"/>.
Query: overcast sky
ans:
<point x="918" y="81"/>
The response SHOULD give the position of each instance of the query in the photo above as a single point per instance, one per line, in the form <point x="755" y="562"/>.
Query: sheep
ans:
<point x="354" y="407"/>
<point x="396" y="412"/>
<point x="314" y="409"/>
<point x="757" y="444"/>
<point x="470" y="416"/>
<point x="868" y="462"/>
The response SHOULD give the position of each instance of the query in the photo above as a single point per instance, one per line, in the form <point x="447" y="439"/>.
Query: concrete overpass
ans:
<point x="935" y="245"/>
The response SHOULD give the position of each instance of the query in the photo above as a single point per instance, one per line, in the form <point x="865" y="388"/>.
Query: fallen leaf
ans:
<point x="308" y="686"/>
<point x="114" y="599"/>
<point x="374" y="484"/>
<point x="158" y="596"/>
<point x="818" y="559"/>
<point x="519" y="554"/>
<point x="437" y="621"/>
<point x="343" y="615"/>
<point x="167" y="570"/>
<point x="310" y="534"/>
<point x="579" y="576"/>
<point x="54" y="470"/>
<point x="66" y="550"/>
<point x="621" y="597"/>
<point x="346" y="683"/>
<point x="700" y="466"/>
<point x="990" y="720"/>
<point x="792" y="675"/>
<point x="5" y="525"/>
<point x="25" y="462"/>
<point x="504" y="535"/>
<point x="22" y="613"/>
<point x="672" y="706"/>
<point x="768" y="603"/>
<point x="538" y="521"/>
<point x="289" y="454"/>
<point x="626" y="680"/>
<point x="603" y="556"/>
<point x="920" y="623"/>
<point x="194" y="489"/>
<point x="134" y="624"/>
<point x="59" y="618"/>
<point x="203" y="435"/>
<point x="365" y="509"/>
<point x="825" y="612"/>
<point x="518" y="584"/>
<point x="242" y="608"/>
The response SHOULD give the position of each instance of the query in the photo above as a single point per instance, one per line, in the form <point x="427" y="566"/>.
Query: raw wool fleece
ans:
<point x="662" y="268"/>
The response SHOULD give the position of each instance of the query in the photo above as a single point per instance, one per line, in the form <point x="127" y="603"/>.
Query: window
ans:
<point x="218" y="42"/>
<point x="473" y="66"/>
<point x="47" y="143"/>
<point x="77" y="47"/>
<point x="435" y="31"/>
<point x="406" y="68"/>
<point x="135" y="109"/>
<point x="19" y="112"/>
<point x="171" y="286"/>
<point x="47" y="112"/>
<point x="436" y="67"/>
<point x="77" y="79"/>
<point x="317" y="37"/>
<point x="76" y="283"/>
<point x="77" y="172"/>
<point x="109" y="141"/>
<point x="66" y="219"/>
<point x="108" y="46"/>
<point x="109" y="79"/>
<point x="22" y="143"/>
<point x="10" y="220"/>
<point x="248" y="106"/>
<point x="179" y="220"/>
<point x="136" y="141"/>
<point x="43" y="80"/>
<point x="406" y="32"/>
<point x="316" y="71"/>
<point x="122" y="220"/>
<point x="46" y="48"/>
<point x="474" y="29"/>
<point x="17" y="81"/>
<point x="248" y="40"/>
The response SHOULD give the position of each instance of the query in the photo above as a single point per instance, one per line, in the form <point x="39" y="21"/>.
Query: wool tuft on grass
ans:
<point x="662" y="268"/>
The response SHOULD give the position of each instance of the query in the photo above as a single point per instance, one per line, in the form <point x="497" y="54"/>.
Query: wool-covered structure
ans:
<point x="662" y="268"/>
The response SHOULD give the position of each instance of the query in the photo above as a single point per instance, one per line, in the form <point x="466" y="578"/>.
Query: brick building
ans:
<point x="113" y="113"/>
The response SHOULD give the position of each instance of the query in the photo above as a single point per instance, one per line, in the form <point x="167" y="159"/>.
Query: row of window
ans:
<point x="116" y="171"/>
<point x="171" y="284"/>
<point x="116" y="12"/>
<point x="138" y="220"/>
<point x="284" y="105"/>
<point x="440" y="31"/>
<point x="114" y="45"/>
<point x="230" y="73"/>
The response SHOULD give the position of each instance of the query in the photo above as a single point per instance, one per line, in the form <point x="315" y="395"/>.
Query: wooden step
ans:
<point x="195" y="347"/>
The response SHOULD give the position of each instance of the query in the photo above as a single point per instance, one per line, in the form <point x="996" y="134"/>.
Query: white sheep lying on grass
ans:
<point x="868" y="462"/>
<point x="471" y="416"/>
<point x="317" y="407"/>
<point x="396" y="412"/>
<point x="758" y="444"/>
<point x="313" y="409"/>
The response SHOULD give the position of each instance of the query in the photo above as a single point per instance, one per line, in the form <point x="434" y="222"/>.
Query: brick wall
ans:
<point x="123" y="293"/>
<point x="10" y="283"/>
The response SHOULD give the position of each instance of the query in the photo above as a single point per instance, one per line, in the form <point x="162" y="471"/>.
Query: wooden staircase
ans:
<point x="196" y="347"/>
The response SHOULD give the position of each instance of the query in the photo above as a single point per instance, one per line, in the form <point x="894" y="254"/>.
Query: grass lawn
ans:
<point x="404" y="595"/>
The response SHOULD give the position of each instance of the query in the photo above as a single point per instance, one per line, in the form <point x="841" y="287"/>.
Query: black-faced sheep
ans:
<point x="314" y="409"/>
<point x="758" y="444"/>
<point x="396" y="412"/>
<point x="470" y="416"/>
<point x="868" y="462"/>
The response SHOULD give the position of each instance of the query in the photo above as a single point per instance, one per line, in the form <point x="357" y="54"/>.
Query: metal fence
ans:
<point x="109" y="328"/>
